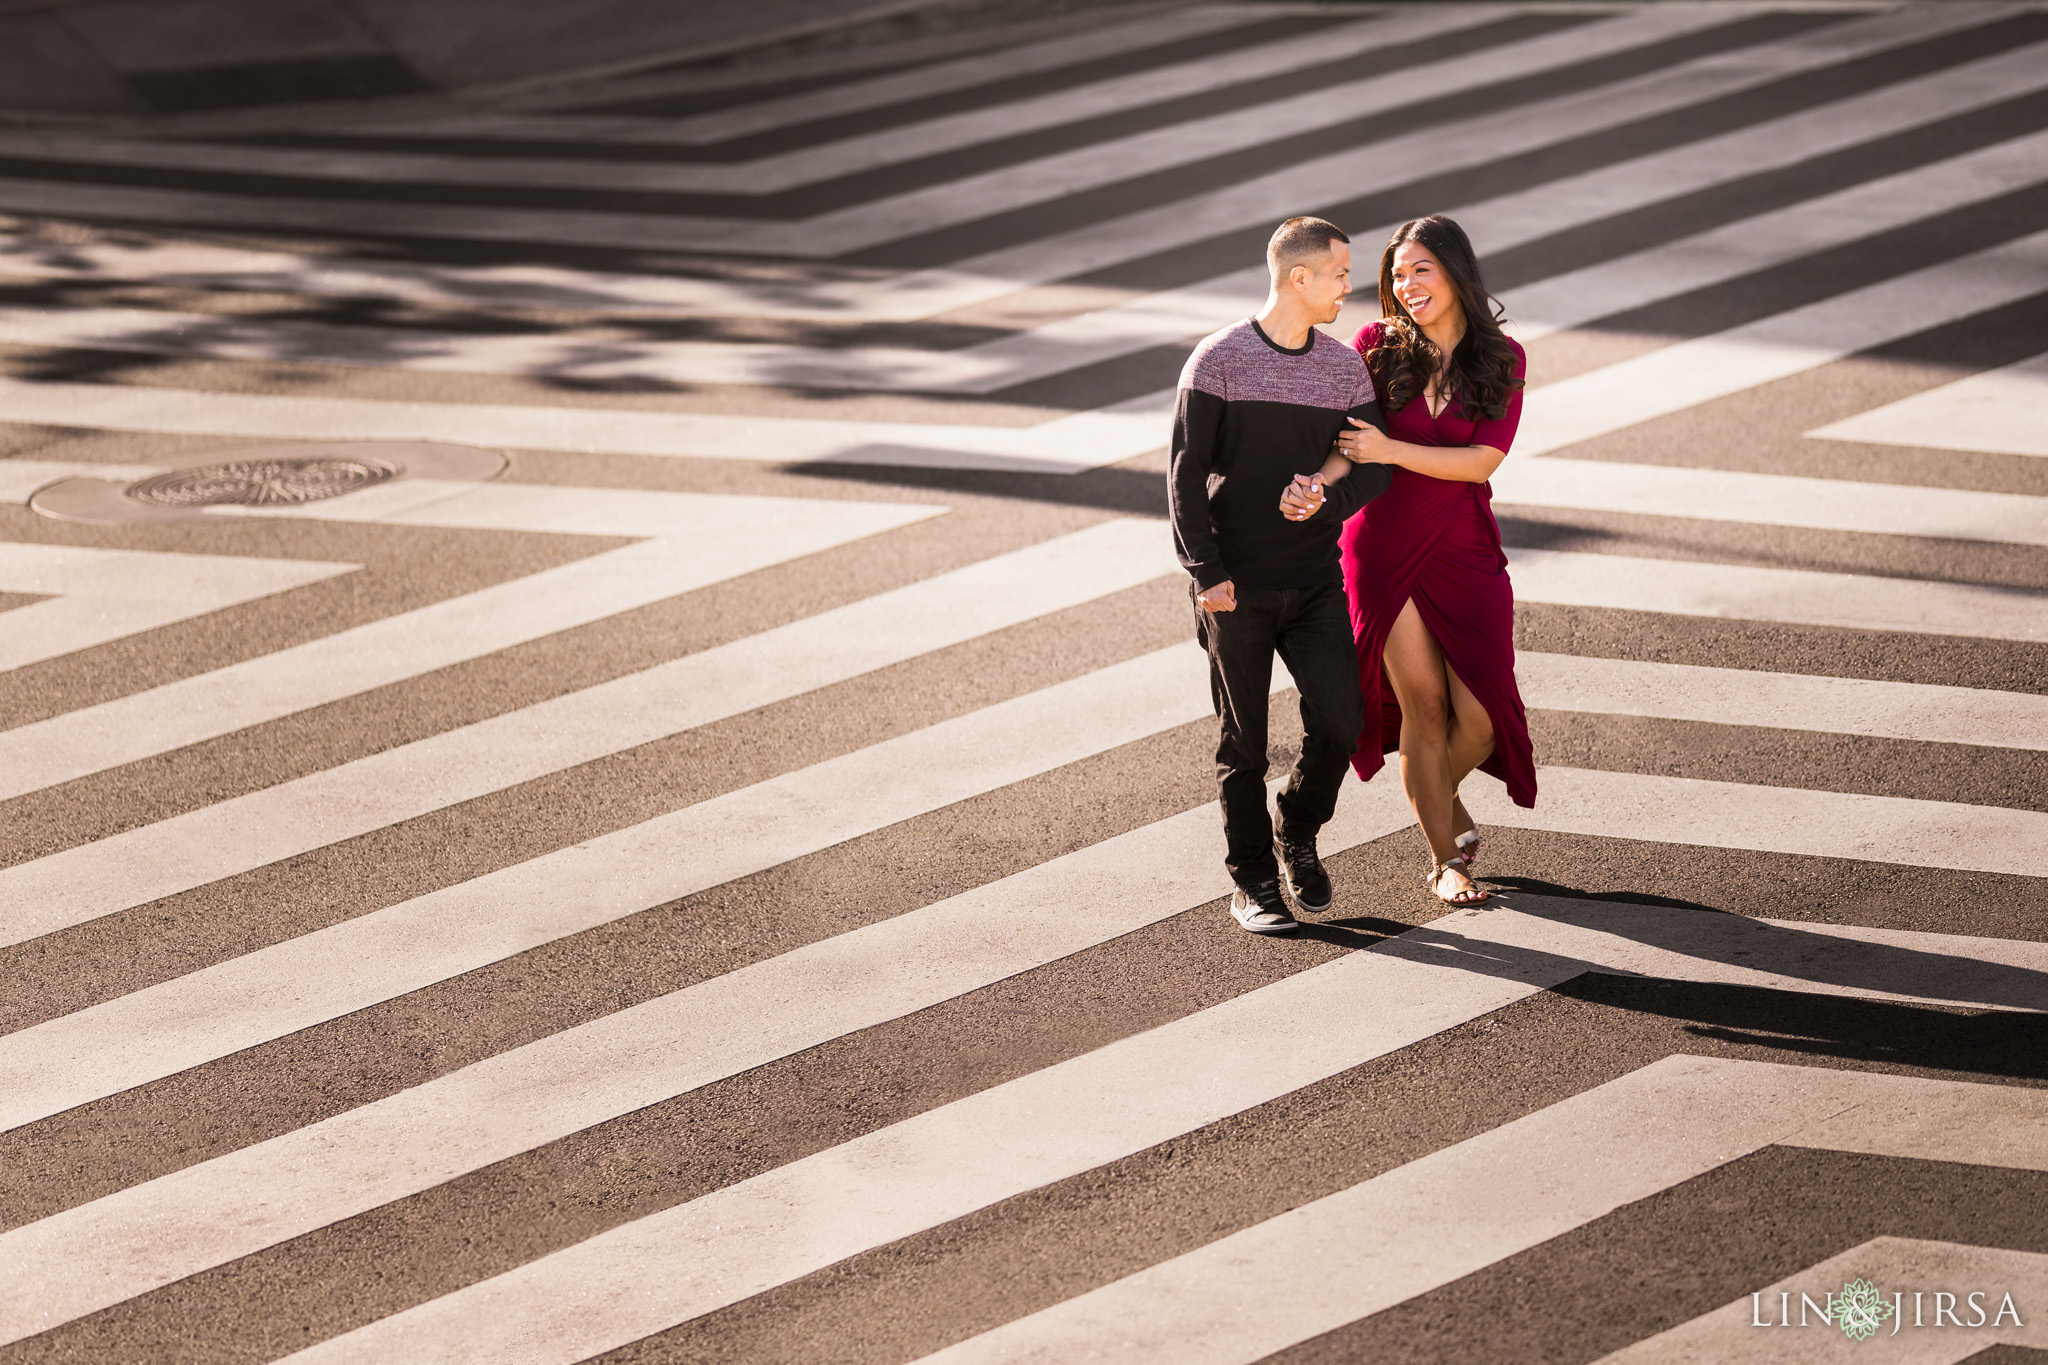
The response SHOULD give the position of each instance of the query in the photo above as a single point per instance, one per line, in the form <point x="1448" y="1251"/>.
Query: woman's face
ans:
<point x="1422" y="286"/>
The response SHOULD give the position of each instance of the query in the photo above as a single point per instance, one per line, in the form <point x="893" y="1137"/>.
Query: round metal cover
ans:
<point x="264" y="483"/>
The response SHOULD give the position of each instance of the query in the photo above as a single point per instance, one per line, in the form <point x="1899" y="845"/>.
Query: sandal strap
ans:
<point x="1436" y="873"/>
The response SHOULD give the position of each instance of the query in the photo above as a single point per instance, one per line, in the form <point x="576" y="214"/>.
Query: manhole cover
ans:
<point x="263" y="483"/>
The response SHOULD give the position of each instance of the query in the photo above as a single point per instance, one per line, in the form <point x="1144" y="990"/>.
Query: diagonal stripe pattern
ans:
<point x="731" y="933"/>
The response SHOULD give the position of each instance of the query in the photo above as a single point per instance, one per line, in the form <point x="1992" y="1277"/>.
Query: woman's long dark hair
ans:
<point x="1481" y="372"/>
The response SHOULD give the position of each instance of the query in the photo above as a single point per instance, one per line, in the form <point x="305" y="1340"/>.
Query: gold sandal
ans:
<point x="1471" y="895"/>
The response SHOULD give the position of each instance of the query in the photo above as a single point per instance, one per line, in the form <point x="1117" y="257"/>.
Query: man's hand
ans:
<point x="1366" y="445"/>
<point x="1222" y="597"/>
<point x="1303" y="498"/>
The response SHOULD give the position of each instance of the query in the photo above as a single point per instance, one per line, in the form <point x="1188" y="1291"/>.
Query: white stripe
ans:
<point x="93" y="595"/>
<point x="1772" y="499"/>
<point x="1783" y="701"/>
<point x="772" y="174"/>
<point x="714" y="537"/>
<point x="236" y="1204"/>
<point x="2003" y="411"/>
<point x="1420" y="1226"/>
<point x="1793" y="596"/>
<point x="401" y="783"/>
<point x="1705" y="368"/>
<point x="1913" y="1268"/>
<point x="1064" y="445"/>
<point x="207" y="265"/>
<point x="1692" y="811"/>
<point x="133" y="868"/>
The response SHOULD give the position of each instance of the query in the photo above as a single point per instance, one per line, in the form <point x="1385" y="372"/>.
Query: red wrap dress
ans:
<point x="1436" y="541"/>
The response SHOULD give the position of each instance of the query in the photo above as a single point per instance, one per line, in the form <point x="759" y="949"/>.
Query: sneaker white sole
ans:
<point x="1244" y="923"/>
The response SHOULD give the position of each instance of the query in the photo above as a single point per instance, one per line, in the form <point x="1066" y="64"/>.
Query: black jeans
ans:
<point x="1310" y="629"/>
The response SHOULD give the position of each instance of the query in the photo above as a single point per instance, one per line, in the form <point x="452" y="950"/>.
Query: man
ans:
<point x="1260" y="403"/>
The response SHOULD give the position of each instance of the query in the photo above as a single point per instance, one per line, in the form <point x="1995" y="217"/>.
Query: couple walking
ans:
<point x="1397" y="623"/>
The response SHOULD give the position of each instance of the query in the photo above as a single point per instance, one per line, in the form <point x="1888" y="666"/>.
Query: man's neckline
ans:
<point x="1303" y="349"/>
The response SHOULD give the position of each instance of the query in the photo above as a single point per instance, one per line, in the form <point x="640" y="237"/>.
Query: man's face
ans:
<point x="1325" y="286"/>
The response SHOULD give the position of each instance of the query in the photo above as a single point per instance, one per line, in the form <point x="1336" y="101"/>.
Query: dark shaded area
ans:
<point x="243" y="84"/>
<point x="1166" y="53"/>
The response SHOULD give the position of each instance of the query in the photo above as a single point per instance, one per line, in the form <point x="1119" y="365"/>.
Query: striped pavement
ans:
<point x="744" y="884"/>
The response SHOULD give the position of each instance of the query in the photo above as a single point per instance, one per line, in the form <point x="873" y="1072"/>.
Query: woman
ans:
<point x="1431" y="605"/>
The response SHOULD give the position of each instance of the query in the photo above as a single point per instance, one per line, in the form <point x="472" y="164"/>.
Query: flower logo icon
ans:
<point x="1859" y="1309"/>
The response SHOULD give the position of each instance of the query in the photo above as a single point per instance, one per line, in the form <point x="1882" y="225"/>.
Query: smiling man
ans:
<point x="1260" y="402"/>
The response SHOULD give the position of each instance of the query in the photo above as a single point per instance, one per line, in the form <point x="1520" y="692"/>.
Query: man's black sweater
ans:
<point x="1251" y="416"/>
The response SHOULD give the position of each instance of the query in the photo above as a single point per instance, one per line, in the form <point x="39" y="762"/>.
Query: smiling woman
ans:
<point x="1431" y="606"/>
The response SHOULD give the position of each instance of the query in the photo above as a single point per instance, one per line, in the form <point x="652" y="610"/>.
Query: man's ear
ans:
<point x="1298" y="275"/>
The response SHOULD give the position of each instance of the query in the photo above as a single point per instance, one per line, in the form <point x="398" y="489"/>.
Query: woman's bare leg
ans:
<point x="1471" y="743"/>
<point x="1422" y="684"/>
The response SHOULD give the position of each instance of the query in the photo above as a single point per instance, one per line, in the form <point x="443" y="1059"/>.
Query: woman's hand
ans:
<point x="1303" y="498"/>
<point x="1365" y="444"/>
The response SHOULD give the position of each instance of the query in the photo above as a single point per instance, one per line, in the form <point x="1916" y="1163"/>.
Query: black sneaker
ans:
<point x="1302" y="871"/>
<point x="1262" y="910"/>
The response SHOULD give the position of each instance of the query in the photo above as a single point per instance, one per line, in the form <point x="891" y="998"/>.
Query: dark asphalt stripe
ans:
<point x="1761" y="429"/>
<point x="1060" y="214"/>
<point x="860" y="187"/>
<point x="1732" y="201"/>
<point x="927" y="1291"/>
<point x="1915" y="769"/>
<point x="1825" y="651"/>
<point x="1825" y="274"/>
<point x="1169" y="51"/>
<point x="130" y="949"/>
<point x="1689" y="1250"/>
<point x="489" y="1221"/>
<point x="1430" y="193"/>
<point x="403" y="568"/>
<point x="369" y="722"/>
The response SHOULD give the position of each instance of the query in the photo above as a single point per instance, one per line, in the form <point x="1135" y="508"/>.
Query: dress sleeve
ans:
<point x="1500" y="432"/>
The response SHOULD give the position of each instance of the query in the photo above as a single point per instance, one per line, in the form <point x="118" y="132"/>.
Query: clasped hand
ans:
<point x="1303" y="498"/>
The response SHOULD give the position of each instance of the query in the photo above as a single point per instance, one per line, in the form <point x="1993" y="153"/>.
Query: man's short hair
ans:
<point x="1301" y="241"/>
